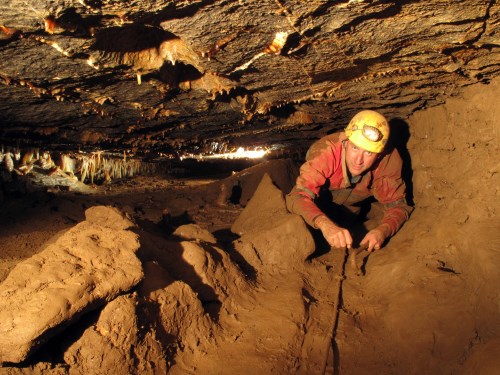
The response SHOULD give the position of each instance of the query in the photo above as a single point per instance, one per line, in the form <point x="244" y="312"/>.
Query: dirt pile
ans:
<point x="90" y="264"/>
<point x="270" y="237"/>
<point x="196" y="298"/>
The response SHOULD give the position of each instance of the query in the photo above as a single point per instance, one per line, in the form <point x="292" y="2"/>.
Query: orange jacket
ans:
<point x="325" y="165"/>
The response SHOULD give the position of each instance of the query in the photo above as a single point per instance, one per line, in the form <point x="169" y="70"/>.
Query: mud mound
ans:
<point x="87" y="266"/>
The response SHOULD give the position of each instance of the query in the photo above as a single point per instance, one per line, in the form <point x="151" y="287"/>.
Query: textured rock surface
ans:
<point x="194" y="232"/>
<point x="265" y="207"/>
<point x="110" y="342"/>
<point x="485" y="359"/>
<point x="84" y="268"/>
<point x="270" y="236"/>
<point x="215" y="72"/>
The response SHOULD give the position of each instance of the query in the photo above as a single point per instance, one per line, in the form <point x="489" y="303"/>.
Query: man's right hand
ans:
<point x="336" y="236"/>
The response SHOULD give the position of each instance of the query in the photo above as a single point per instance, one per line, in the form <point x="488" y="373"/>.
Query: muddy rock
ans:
<point x="108" y="217"/>
<point x="270" y="235"/>
<point x="239" y="188"/>
<point x="215" y="276"/>
<point x="85" y="267"/>
<point x="155" y="279"/>
<point x="282" y="173"/>
<point x="484" y="359"/>
<point x="177" y="320"/>
<point x="110" y="342"/>
<point x="286" y="245"/>
<point x="267" y="204"/>
<point x="207" y="269"/>
<point x="194" y="232"/>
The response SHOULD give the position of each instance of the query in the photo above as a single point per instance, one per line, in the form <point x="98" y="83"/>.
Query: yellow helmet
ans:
<point x="368" y="130"/>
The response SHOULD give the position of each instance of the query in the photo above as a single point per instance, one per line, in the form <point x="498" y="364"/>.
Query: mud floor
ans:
<point x="230" y="283"/>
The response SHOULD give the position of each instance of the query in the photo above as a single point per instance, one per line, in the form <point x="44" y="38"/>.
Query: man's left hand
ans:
<point x="375" y="238"/>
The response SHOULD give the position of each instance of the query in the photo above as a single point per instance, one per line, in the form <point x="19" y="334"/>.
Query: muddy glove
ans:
<point x="336" y="236"/>
<point x="375" y="238"/>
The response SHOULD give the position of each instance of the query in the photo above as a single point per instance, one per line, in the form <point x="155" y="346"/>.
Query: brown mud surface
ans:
<point x="264" y="297"/>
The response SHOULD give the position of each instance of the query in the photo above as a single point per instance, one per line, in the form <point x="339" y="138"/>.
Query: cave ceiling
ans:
<point x="177" y="76"/>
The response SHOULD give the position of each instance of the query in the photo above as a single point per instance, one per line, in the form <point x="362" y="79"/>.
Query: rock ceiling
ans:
<point x="173" y="76"/>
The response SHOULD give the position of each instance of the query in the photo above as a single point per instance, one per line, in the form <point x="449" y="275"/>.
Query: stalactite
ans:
<point x="93" y="168"/>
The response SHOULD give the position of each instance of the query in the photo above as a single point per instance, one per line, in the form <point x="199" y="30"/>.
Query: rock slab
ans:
<point x="87" y="266"/>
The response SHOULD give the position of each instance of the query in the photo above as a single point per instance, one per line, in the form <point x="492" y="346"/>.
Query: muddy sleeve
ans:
<point x="390" y="190"/>
<point x="313" y="174"/>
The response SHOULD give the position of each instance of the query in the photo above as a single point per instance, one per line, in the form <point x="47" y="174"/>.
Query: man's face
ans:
<point x="357" y="159"/>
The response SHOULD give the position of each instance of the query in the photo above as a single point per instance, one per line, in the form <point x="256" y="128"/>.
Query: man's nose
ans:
<point x="358" y="158"/>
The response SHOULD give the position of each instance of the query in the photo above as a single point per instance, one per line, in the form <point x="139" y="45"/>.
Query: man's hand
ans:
<point x="375" y="238"/>
<point x="336" y="236"/>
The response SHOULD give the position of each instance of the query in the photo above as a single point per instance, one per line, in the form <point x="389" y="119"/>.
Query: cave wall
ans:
<point x="454" y="156"/>
<point x="429" y="301"/>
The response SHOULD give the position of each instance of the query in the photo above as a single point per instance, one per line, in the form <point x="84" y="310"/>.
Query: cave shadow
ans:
<point x="21" y="206"/>
<point x="166" y="250"/>
<point x="400" y="134"/>
<point x="236" y="192"/>
<point x="53" y="350"/>
<point x="149" y="312"/>
<point x="356" y="223"/>
<point x="167" y="223"/>
<point x="130" y="38"/>
<point x="225" y="238"/>
<point x="173" y="75"/>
